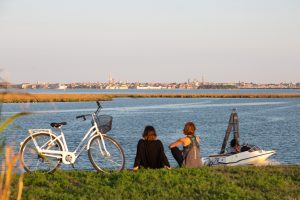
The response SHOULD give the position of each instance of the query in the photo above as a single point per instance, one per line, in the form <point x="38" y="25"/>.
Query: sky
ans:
<point x="159" y="40"/>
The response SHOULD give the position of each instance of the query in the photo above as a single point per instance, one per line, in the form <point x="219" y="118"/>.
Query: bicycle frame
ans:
<point x="66" y="156"/>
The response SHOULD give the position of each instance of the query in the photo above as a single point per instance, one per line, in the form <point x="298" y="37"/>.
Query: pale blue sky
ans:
<point x="157" y="40"/>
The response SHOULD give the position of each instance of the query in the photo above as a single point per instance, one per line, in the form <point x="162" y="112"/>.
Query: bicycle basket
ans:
<point x="104" y="123"/>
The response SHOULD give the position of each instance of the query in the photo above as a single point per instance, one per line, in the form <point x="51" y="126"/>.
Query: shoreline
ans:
<point x="34" y="98"/>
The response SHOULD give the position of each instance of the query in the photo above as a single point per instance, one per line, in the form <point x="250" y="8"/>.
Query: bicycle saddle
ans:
<point x="57" y="125"/>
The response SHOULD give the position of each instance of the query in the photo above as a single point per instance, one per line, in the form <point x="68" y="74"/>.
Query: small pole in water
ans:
<point x="232" y="124"/>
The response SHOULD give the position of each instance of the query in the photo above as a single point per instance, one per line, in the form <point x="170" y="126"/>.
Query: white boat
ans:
<point x="149" y="87"/>
<point x="253" y="156"/>
<point x="116" y="87"/>
<point x="247" y="154"/>
<point x="62" y="87"/>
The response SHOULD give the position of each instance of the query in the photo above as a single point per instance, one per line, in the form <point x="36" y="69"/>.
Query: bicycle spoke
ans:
<point x="106" y="161"/>
<point x="33" y="150"/>
<point x="45" y="144"/>
<point x="33" y="160"/>
<point x="37" y="163"/>
<point x="114" y="162"/>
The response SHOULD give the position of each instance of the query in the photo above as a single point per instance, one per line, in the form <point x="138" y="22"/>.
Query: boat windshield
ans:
<point x="249" y="147"/>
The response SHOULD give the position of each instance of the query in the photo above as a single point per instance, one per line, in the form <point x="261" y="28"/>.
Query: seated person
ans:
<point x="234" y="147"/>
<point x="190" y="155"/>
<point x="150" y="151"/>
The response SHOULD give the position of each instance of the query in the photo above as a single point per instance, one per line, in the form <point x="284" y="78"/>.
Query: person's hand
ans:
<point x="135" y="168"/>
<point x="238" y="148"/>
<point x="167" y="167"/>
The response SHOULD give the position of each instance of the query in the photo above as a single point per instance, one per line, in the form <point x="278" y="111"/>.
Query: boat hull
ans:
<point x="243" y="158"/>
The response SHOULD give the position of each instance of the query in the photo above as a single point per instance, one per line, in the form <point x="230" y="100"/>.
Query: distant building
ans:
<point x="58" y="86"/>
<point x="149" y="87"/>
<point x="5" y="84"/>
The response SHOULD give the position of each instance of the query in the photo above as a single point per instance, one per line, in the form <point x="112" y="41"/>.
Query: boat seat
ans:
<point x="58" y="124"/>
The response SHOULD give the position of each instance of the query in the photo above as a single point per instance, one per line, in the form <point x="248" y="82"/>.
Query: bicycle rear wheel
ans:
<point x="113" y="161"/>
<point x="32" y="160"/>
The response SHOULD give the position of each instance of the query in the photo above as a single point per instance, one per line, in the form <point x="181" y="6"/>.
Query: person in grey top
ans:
<point x="190" y="155"/>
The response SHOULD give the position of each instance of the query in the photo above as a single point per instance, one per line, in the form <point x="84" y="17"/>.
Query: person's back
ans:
<point x="191" y="153"/>
<point x="150" y="154"/>
<point x="150" y="151"/>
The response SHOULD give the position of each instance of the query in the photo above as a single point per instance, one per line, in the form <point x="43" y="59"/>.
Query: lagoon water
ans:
<point x="268" y="123"/>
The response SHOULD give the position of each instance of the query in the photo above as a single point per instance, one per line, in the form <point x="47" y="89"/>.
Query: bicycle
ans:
<point x="43" y="150"/>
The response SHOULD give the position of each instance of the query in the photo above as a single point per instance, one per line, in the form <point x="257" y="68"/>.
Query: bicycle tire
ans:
<point x="23" y="154"/>
<point x="109" y="143"/>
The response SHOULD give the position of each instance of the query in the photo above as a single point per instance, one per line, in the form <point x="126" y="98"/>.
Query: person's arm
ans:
<point x="163" y="156"/>
<point x="138" y="157"/>
<point x="198" y="140"/>
<point x="177" y="143"/>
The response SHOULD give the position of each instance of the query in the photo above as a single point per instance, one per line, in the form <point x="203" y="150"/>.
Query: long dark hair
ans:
<point x="233" y="142"/>
<point x="149" y="133"/>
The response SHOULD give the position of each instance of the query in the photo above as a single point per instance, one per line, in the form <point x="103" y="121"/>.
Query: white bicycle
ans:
<point x="43" y="150"/>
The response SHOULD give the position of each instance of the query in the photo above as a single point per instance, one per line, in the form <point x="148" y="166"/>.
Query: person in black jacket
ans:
<point x="150" y="151"/>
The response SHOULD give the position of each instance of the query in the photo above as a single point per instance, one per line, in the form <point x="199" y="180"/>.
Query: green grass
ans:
<point x="272" y="182"/>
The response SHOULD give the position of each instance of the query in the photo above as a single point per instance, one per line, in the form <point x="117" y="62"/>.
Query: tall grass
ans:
<point x="7" y="175"/>
<point x="23" y="97"/>
<point x="8" y="165"/>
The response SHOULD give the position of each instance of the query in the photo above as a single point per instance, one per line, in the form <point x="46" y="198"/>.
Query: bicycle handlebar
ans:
<point x="84" y="116"/>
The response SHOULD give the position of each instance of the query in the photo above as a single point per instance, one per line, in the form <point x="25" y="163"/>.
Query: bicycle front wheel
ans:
<point x="32" y="160"/>
<point x="106" y="161"/>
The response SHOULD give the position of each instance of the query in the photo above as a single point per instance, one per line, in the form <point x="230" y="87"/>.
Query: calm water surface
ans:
<point x="268" y="123"/>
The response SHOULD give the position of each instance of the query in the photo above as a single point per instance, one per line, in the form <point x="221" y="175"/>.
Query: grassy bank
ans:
<point x="23" y="97"/>
<point x="272" y="182"/>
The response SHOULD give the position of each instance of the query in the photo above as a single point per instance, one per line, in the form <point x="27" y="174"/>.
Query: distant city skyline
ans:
<point x="111" y="84"/>
<point x="113" y="80"/>
<point x="150" y="41"/>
